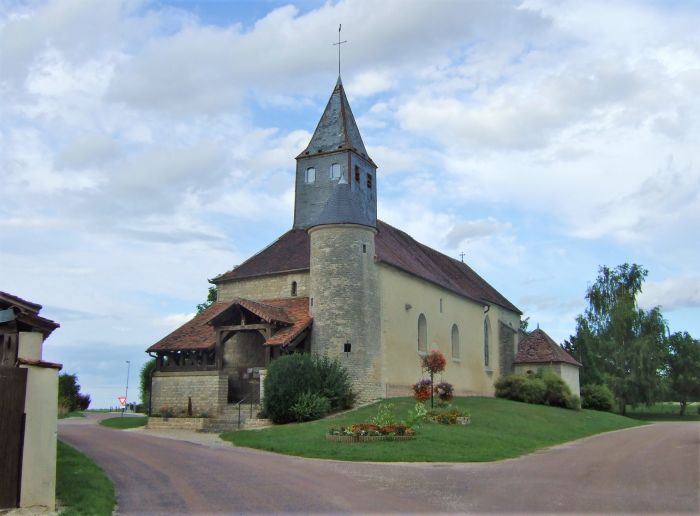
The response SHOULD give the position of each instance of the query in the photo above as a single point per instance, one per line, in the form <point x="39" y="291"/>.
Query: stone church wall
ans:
<point x="507" y="347"/>
<point x="208" y="390"/>
<point x="404" y="297"/>
<point x="265" y="287"/>
<point x="345" y="307"/>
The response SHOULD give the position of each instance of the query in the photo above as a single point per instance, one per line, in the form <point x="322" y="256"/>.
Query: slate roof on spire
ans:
<point x="343" y="208"/>
<point x="337" y="129"/>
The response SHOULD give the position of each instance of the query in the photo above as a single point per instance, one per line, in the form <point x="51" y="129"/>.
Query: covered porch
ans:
<point x="219" y="357"/>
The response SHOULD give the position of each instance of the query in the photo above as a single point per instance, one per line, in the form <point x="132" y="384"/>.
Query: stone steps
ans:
<point x="227" y="420"/>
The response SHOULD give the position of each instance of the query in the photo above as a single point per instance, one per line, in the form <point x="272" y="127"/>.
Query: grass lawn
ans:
<point x="666" y="411"/>
<point x="499" y="429"/>
<point x="81" y="486"/>
<point x="125" y="422"/>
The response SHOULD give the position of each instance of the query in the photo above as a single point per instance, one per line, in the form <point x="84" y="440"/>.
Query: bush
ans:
<point x="310" y="406"/>
<point x="542" y="388"/>
<point x="511" y="387"/>
<point x="557" y="392"/>
<point x="291" y="376"/>
<point x="534" y="391"/>
<point x="335" y="383"/>
<point x="573" y="402"/>
<point x="597" y="397"/>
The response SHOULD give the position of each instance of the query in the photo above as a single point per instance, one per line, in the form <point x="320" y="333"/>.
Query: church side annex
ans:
<point x="340" y="283"/>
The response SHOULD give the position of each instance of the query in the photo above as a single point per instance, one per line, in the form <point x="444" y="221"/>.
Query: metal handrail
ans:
<point x="238" y="404"/>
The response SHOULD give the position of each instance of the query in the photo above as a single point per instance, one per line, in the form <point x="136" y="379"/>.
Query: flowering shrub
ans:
<point x="446" y="417"/>
<point x="422" y="389"/>
<point x="416" y="415"/>
<point x="434" y="362"/>
<point x="444" y="391"/>
<point x="384" y="416"/>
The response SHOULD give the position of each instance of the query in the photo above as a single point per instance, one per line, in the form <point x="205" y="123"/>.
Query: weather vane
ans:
<point x="338" y="45"/>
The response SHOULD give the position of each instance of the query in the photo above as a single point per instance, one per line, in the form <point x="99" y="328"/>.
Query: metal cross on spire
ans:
<point x="338" y="45"/>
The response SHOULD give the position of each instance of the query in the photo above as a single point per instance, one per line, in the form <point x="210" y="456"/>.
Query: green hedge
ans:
<point x="597" y="397"/>
<point x="544" y="388"/>
<point x="302" y="387"/>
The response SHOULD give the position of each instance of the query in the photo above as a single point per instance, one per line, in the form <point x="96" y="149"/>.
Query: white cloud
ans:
<point x="171" y="322"/>
<point x="672" y="293"/>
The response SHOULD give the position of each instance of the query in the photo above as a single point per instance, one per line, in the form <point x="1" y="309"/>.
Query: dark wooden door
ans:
<point x="13" y="385"/>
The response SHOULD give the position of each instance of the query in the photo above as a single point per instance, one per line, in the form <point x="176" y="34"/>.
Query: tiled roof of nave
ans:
<point x="291" y="252"/>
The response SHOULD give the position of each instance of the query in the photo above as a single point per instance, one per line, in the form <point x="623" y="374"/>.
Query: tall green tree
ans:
<point x="617" y="342"/>
<point x="211" y="299"/>
<point x="683" y="370"/>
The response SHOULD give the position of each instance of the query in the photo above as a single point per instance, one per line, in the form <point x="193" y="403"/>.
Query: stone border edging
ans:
<point x="367" y="438"/>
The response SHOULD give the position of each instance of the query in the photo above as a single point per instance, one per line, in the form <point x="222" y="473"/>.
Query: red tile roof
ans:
<point x="27" y="314"/>
<point x="394" y="247"/>
<point x="9" y="299"/>
<point x="194" y="334"/>
<point x="39" y="363"/>
<point x="199" y="332"/>
<point x="297" y="308"/>
<point x="397" y="248"/>
<point x="290" y="252"/>
<point x="538" y="347"/>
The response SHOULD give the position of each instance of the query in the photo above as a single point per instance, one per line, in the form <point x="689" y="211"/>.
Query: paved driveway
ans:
<point x="653" y="468"/>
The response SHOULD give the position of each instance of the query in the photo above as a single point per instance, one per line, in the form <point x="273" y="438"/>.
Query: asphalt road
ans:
<point x="655" y="468"/>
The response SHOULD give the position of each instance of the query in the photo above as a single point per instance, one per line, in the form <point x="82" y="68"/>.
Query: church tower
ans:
<point x="336" y="202"/>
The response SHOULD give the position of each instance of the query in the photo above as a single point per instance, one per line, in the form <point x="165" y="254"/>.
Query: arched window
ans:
<point x="310" y="175"/>
<point x="335" y="171"/>
<point x="455" y="341"/>
<point x="294" y="288"/>
<point x="487" y="331"/>
<point x="422" y="333"/>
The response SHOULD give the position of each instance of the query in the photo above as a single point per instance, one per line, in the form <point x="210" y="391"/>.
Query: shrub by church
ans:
<point x="340" y="283"/>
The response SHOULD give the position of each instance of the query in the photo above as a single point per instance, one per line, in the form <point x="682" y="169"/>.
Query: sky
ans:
<point x="146" y="147"/>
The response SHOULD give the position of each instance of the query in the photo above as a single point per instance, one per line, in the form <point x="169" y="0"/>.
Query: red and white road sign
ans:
<point x="122" y="400"/>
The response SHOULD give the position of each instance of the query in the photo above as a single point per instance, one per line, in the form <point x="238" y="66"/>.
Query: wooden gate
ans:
<point x="13" y="385"/>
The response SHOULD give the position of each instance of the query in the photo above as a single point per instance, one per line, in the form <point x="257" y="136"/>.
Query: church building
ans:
<point x="340" y="283"/>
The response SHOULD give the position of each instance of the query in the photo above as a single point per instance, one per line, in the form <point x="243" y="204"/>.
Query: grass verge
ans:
<point x="125" y="422"/>
<point x="75" y="413"/>
<point x="500" y="429"/>
<point x="665" y="411"/>
<point x="82" y="488"/>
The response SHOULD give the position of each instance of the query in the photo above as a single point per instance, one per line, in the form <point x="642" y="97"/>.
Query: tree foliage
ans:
<point x="69" y="396"/>
<point x="618" y="343"/>
<point x="211" y="299"/>
<point x="145" y="380"/>
<point x="683" y="372"/>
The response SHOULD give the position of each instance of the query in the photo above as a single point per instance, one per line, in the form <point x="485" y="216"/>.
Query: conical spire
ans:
<point x="337" y="129"/>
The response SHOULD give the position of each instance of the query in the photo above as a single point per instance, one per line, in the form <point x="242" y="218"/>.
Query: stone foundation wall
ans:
<point x="208" y="390"/>
<point x="176" y="423"/>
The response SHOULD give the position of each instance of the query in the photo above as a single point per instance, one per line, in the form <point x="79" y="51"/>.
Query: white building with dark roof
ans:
<point x="343" y="284"/>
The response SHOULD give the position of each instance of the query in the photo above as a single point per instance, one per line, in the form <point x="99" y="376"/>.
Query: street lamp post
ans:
<point x="126" y="394"/>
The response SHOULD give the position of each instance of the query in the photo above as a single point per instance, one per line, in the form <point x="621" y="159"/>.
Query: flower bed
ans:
<point x="368" y="432"/>
<point x="367" y="438"/>
<point x="448" y="417"/>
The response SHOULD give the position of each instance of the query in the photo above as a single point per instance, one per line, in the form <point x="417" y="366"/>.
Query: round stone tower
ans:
<point x="336" y="203"/>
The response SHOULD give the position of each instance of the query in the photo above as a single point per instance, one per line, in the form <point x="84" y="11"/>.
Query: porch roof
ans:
<point x="199" y="333"/>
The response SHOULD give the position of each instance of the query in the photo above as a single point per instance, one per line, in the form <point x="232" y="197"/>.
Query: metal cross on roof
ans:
<point x="338" y="45"/>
